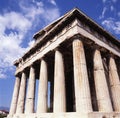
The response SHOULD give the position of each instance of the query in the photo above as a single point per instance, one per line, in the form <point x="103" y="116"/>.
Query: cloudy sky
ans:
<point x="20" y="19"/>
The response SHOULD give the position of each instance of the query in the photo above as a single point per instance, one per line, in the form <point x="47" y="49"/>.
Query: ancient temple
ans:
<point x="81" y="63"/>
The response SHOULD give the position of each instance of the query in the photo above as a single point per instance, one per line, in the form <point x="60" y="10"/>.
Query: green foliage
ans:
<point x="2" y="116"/>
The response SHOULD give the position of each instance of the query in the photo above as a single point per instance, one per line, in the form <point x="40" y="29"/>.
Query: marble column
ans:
<point x="102" y="92"/>
<point x="22" y="93"/>
<point x="114" y="84"/>
<point x="59" y="84"/>
<point x="82" y="90"/>
<point x="15" y="96"/>
<point x="30" y="92"/>
<point x="43" y="87"/>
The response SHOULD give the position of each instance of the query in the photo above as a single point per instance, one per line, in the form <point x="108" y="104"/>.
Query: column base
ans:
<point x="69" y="115"/>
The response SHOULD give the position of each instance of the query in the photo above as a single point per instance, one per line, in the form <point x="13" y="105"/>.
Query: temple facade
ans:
<point x="79" y="61"/>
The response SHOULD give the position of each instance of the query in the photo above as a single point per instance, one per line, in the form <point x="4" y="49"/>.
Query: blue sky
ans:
<point x="20" y="19"/>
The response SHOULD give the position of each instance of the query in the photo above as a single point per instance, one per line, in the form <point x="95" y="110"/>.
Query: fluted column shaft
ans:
<point x="43" y="87"/>
<point x="30" y="92"/>
<point x="82" y="90"/>
<point x="59" y="84"/>
<point x="15" y="96"/>
<point x="22" y="92"/>
<point x="102" y="92"/>
<point x="114" y="84"/>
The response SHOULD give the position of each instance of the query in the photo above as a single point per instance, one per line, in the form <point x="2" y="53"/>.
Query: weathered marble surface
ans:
<point x="69" y="115"/>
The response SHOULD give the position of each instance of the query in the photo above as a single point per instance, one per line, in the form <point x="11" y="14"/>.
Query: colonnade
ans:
<point x="106" y="103"/>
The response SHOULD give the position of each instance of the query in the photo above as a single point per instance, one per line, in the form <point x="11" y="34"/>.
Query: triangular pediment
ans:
<point x="67" y="18"/>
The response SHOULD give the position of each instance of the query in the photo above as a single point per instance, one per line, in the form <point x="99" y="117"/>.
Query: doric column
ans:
<point x="15" y="96"/>
<point x="82" y="90"/>
<point x="59" y="84"/>
<point x="42" y="92"/>
<point x="102" y="92"/>
<point x="51" y="94"/>
<point x="30" y="92"/>
<point x="22" y="92"/>
<point x="114" y="84"/>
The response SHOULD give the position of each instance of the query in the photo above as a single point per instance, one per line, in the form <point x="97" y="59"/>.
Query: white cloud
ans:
<point x="17" y="21"/>
<point x="53" y="2"/>
<point x="110" y="16"/>
<point x="12" y="31"/>
<point x="103" y="13"/>
<point x="31" y="11"/>
<point x="114" y="1"/>
<point x="50" y="15"/>
<point x="14" y="26"/>
<point x="31" y="44"/>
<point x="111" y="8"/>
<point x="104" y="1"/>
<point x="1" y="74"/>
<point x="38" y="3"/>
<point x="118" y="14"/>
<point x="112" y="25"/>
<point x="40" y="11"/>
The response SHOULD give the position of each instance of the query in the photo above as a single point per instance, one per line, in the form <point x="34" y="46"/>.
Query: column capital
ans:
<point x="77" y="36"/>
<point x="18" y="75"/>
<point x="32" y="65"/>
<point x="24" y="71"/>
<point x="56" y="49"/>
<point x="97" y="47"/>
<point x="42" y="58"/>
<point x="112" y="55"/>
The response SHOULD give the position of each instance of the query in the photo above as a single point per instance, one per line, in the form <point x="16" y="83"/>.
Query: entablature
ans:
<point x="50" y="42"/>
